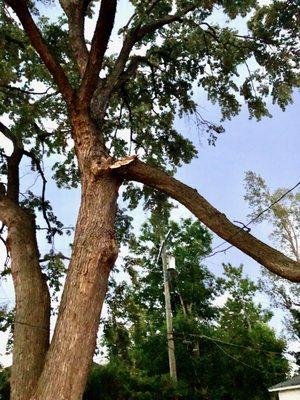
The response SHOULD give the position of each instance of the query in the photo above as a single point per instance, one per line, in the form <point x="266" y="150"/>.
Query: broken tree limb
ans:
<point x="270" y="258"/>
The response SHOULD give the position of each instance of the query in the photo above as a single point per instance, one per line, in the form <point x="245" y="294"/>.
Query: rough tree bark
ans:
<point x="94" y="253"/>
<point x="32" y="314"/>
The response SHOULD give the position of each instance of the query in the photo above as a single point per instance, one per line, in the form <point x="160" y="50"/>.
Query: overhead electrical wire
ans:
<point x="245" y="227"/>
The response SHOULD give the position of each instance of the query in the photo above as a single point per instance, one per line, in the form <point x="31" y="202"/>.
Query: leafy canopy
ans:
<point x="197" y="50"/>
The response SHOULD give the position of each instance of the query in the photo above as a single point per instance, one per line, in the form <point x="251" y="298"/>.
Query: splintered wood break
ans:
<point x="124" y="161"/>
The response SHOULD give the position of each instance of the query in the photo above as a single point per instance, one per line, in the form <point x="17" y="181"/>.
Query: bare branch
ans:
<point x="49" y="257"/>
<point x="99" y="45"/>
<point x="30" y="91"/>
<point x="269" y="257"/>
<point x="37" y="41"/>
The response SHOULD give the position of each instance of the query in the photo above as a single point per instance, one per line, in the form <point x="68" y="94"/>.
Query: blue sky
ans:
<point x="269" y="147"/>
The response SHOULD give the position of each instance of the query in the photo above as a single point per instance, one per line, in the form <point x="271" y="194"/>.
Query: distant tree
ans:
<point x="214" y="346"/>
<point x="284" y="219"/>
<point x="284" y="215"/>
<point x="253" y="353"/>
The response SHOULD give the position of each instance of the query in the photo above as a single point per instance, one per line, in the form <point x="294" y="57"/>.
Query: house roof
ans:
<point x="293" y="383"/>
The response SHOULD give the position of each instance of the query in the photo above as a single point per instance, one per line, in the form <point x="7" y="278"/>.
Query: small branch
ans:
<point x="5" y="245"/>
<point x="117" y="127"/>
<point x="13" y="162"/>
<point x="7" y="258"/>
<point x="151" y="5"/>
<point x="30" y="91"/>
<point x="128" y="106"/>
<point x="37" y="41"/>
<point x="64" y="228"/>
<point x="11" y="39"/>
<point x="160" y="23"/>
<point x="51" y="257"/>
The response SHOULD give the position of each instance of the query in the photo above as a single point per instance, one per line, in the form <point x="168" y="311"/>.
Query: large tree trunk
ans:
<point x="94" y="253"/>
<point x="32" y="314"/>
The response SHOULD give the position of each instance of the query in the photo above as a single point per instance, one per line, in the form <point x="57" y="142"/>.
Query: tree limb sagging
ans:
<point x="272" y="259"/>
<point x="37" y="41"/>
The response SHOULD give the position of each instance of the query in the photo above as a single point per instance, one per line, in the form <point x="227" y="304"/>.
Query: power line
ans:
<point x="245" y="227"/>
<point x="237" y="345"/>
<point x="247" y="365"/>
<point x="217" y="341"/>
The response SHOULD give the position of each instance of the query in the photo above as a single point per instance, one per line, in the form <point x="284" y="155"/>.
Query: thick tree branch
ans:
<point x="13" y="170"/>
<point x="49" y="257"/>
<point x="8" y="134"/>
<point x="134" y="36"/>
<point x="267" y="256"/>
<point x="37" y="41"/>
<point x="75" y="10"/>
<point x="30" y="288"/>
<point x="99" y="45"/>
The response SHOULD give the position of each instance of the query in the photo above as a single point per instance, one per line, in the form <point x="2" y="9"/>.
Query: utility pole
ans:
<point x="169" y="320"/>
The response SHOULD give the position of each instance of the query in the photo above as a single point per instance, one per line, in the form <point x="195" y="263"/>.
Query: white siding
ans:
<point x="289" y="394"/>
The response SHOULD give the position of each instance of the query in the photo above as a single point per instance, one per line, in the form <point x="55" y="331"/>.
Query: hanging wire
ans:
<point x="217" y="341"/>
<point x="236" y="345"/>
<point x="245" y="227"/>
